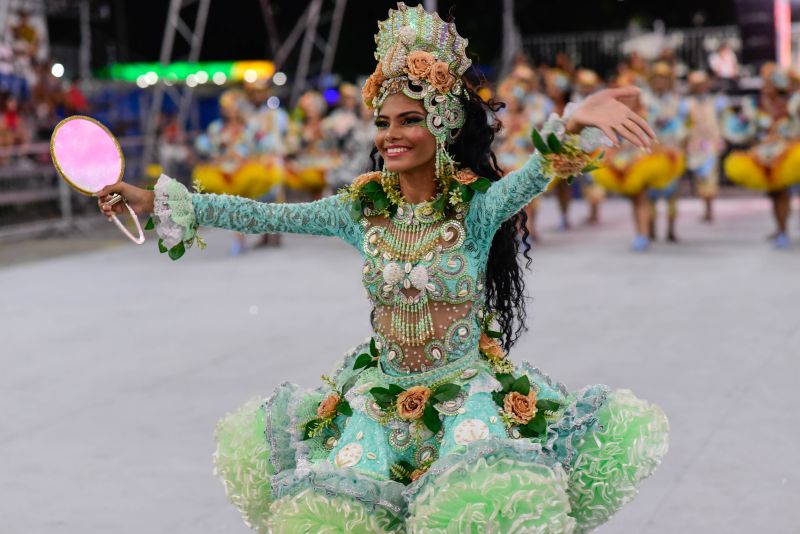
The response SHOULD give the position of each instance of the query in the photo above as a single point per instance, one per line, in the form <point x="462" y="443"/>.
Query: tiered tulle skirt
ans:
<point x="595" y="453"/>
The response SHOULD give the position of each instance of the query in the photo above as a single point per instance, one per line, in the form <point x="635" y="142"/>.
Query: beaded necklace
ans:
<point x="411" y="236"/>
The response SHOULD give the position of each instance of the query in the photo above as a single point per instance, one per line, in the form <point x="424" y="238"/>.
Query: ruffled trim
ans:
<point x="309" y="512"/>
<point x="522" y="450"/>
<point x="242" y="462"/>
<point x="495" y="495"/>
<point x="173" y="212"/>
<point x="630" y="441"/>
<point x="348" y="482"/>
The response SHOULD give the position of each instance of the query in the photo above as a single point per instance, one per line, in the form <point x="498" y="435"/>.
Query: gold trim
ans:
<point x="58" y="167"/>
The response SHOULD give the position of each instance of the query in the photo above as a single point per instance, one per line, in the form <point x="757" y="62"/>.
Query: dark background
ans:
<point x="132" y="30"/>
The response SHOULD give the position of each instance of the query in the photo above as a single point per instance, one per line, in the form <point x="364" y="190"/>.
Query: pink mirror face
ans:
<point x="87" y="155"/>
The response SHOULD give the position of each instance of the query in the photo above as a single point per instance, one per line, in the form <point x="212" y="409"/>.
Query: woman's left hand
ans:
<point x="612" y="110"/>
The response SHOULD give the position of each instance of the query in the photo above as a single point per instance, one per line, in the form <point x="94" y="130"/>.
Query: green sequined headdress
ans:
<point x="423" y="57"/>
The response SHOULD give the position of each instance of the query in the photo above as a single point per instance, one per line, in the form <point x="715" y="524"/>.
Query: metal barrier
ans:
<point x="603" y="50"/>
<point x="35" y="200"/>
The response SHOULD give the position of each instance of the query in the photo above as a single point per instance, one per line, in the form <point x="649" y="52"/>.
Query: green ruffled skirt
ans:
<point x="479" y="476"/>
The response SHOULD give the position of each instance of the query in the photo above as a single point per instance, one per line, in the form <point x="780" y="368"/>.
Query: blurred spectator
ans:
<point x="75" y="102"/>
<point x="725" y="66"/>
<point x="25" y="36"/>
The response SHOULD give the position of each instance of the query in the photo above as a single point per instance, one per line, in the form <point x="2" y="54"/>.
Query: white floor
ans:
<point x="116" y="363"/>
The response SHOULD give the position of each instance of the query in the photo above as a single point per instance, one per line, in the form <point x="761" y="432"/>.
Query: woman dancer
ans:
<point x="773" y="164"/>
<point x="429" y="428"/>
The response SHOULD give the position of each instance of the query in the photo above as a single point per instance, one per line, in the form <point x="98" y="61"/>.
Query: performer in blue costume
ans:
<point x="428" y="427"/>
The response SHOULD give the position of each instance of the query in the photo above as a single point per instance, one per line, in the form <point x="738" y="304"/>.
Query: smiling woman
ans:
<point x="428" y="426"/>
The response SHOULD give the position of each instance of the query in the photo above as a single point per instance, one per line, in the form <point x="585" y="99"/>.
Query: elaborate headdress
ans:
<point x="422" y="57"/>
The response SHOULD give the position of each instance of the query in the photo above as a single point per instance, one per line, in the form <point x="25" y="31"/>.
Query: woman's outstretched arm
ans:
<point x="178" y="213"/>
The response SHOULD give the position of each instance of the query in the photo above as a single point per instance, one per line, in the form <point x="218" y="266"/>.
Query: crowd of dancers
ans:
<point x="707" y="132"/>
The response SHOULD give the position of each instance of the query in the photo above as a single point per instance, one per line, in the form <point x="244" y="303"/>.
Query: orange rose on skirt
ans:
<point x="411" y="402"/>
<point x="521" y="408"/>
<point x="327" y="408"/>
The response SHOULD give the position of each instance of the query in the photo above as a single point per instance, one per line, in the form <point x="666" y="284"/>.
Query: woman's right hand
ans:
<point x="140" y="200"/>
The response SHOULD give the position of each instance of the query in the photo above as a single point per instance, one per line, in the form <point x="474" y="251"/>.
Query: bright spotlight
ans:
<point x="141" y="81"/>
<point x="219" y="78"/>
<point x="151" y="78"/>
<point x="191" y="80"/>
<point x="250" y="76"/>
<point x="273" y="102"/>
<point x="201" y="77"/>
<point x="57" y="70"/>
<point x="279" y="78"/>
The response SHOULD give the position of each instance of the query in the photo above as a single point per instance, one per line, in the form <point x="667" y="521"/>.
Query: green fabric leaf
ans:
<point x="356" y="209"/>
<point x="498" y="397"/>
<point x="371" y="187"/>
<point x="554" y="144"/>
<point x="506" y="381"/>
<point x="522" y="385"/>
<point x="538" y="424"/>
<point x="310" y="427"/>
<point x="161" y="248"/>
<point x="363" y="360"/>
<point x="151" y="188"/>
<point x="177" y="251"/>
<point x="494" y="334"/>
<point x="373" y="349"/>
<point x="395" y="390"/>
<point x="383" y="397"/>
<point x="439" y="204"/>
<point x="446" y="392"/>
<point x="467" y="193"/>
<point x="149" y="225"/>
<point x="570" y="179"/>
<point x="526" y="432"/>
<point x="539" y="143"/>
<point x="380" y="203"/>
<point x="344" y="408"/>
<point x="431" y="418"/>
<point x="549" y="405"/>
<point x="481" y="185"/>
<point x="347" y="386"/>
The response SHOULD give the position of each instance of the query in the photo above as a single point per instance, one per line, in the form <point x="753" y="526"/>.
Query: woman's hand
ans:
<point x="614" y="112"/>
<point x="141" y="200"/>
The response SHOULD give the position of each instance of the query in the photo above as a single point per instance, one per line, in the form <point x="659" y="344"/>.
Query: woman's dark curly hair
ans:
<point x="472" y="149"/>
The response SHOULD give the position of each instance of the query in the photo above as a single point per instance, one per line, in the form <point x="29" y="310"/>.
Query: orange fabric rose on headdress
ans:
<point x="440" y="77"/>
<point x="372" y="86"/>
<point x="419" y="63"/>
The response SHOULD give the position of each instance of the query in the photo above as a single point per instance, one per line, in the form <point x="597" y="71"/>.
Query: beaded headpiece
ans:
<point x="423" y="57"/>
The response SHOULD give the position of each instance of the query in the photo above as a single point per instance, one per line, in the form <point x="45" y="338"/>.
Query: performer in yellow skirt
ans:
<point x="773" y="164"/>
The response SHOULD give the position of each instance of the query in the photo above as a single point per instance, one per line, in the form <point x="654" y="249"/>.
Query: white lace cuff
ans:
<point x="590" y="138"/>
<point x="173" y="213"/>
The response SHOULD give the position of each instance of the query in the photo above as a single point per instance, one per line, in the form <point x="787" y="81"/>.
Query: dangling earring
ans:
<point x="445" y="166"/>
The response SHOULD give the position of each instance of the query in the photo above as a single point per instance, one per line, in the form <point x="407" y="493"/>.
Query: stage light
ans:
<point x="191" y="80"/>
<point x="201" y="77"/>
<point x="151" y="78"/>
<point x="279" y="78"/>
<point x="250" y="75"/>
<point x="57" y="70"/>
<point x="273" y="102"/>
<point x="141" y="81"/>
<point x="219" y="78"/>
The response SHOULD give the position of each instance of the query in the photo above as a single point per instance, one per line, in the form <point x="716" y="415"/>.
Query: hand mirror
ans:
<point x="89" y="158"/>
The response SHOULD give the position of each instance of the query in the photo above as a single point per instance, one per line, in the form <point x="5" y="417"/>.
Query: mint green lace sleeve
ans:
<point x="505" y="198"/>
<point x="328" y="217"/>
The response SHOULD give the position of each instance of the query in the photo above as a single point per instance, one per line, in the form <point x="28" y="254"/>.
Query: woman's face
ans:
<point x="402" y="138"/>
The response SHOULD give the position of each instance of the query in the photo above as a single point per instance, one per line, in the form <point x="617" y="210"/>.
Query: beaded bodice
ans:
<point x="425" y="288"/>
<point x="424" y="272"/>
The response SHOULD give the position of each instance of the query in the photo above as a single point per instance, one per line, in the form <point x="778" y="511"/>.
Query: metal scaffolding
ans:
<point x="317" y="15"/>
